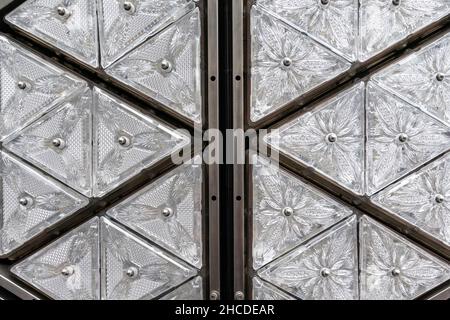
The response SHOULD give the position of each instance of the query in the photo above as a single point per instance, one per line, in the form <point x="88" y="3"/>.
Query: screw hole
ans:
<point x="213" y="198"/>
<point x="238" y="198"/>
<point x="213" y="78"/>
<point x="238" y="78"/>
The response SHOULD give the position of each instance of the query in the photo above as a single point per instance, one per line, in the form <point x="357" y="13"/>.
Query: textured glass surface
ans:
<point x="422" y="79"/>
<point x="264" y="291"/>
<point x="392" y="268"/>
<point x="29" y="87"/>
<point x="285" y="64"/>
<point x="287" y="212"/>
<point x="167" y="67"/>
<point x="126" y="24"/>
<point x="423" y="199"/>
<point x="135" y="270"/>
<point x="193" y="290"/>
<point x="400" y="138"/>
<point x="334" y="22"/>
<point x="326" y="268"/>
<point x="385" y="22"/>
<point x="68" y="25"/>
<point x="30" y="203"/>
<point x="60" y="142"/>
<point x="126" y="142"/>
<point x="330" y="138"/>
<point x="67" y="269"/>
<point x="169" y="212"/>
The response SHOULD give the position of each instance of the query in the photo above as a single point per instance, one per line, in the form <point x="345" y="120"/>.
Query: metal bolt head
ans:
<point x="124" y="141"/>
<point x="68" y="271"/>
<point x="288" y="211"/>
<point x="287" y="62"/>
<point x="396" y="272"/>
<point x="59" y="143"/>
<point x="439" y="198"/>
<point x="129" y="6"/>
<point x="440" y="77"/>
<point x="396" y="2"/>
<point x="167" y="212"/>
<point x="325" y="272"/>
<point x="22" y="85"/>
<point x="403" y="137"/>
<point x="214" y="295"/>
<point x="332" y="137"/>
<point x="166" y="66"/>
<point x="239" y="295"/>
<point x="24" y="201"/>
<point x="325" y="2"/>
<point x="132" y="272"/>
<point x="63" y="12"/>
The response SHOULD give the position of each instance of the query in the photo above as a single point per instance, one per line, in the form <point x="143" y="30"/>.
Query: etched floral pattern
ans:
<point x="330" y="138"/>
<point x="285" y="64"/>
<point x="168" y="212"/>
<point x="69" y="25"/>
<point x="400" y="138"/>
<point x="394" y="269"/>
<point x="126" y="24"/>
<point x="335" y="22"/>
<point x="423" y="199"/>
<point x="30" y="203"/>
<point x="423" y="79"/>
<point x="67" y="268"/>
<point x="286" y="212"/>
<point x="384" y="22"/>
<point x="134" y="270"/>
<point x="324" y="269"/>
<point x="168" y="67"/>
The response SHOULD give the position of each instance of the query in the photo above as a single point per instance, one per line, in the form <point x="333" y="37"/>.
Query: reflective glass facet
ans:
<point x="393" y="268"/>
<point x="30" y="203"/>
<point x="67" y="269"/>
<point x="169" y="212"/>
<point x="325" y="268"/>
<point x="192" y="290"/>
<point x="265" y="291"/>
<point x="29" y="87"/>
<point x="126" y="24"/>
<point x="285" y="64"/>
<point x="167" y="67"/>
<point x="287" y="212"/>
<point x="70" y="26"/>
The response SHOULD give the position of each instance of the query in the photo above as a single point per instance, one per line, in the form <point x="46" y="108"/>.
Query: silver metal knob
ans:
<point x="59" y="143"/>
<point x="288" y="211"/>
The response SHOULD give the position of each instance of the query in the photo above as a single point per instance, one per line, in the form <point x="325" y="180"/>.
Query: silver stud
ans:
<point x="332" y="137"/>
<point x="129" y="7"/>
<point x="166" y="66"/>
<point x="68" y="271"/>
<point x="22" y="85"/>
<point x="325" y="2"/>
<point x="63" y="12"/>
<point x="132" y="272"/>
<point x="287" y="62"/>
<point x="124" y="141"/>
<point x="396" y="272"/>
<point x="59" y="143"/>
<point x="167" y="212"/>
<point x="396" y="2"/>
<point x="288" y="211"/>
<point x="440" y="77"/>
<point x="325" y="272"/>
<point x="439" y="198"/>
<point x="403" y="137"/>
<point x="26" y="201"/>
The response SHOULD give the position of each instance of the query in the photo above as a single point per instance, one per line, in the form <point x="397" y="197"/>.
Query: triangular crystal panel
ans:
<point x="330" y="21"/>
<point x="169" y="212"/>
<point x="29" y="87"/>
<point x="167" y="67"/>
<point x="134" y="270"/>
<point x="329" y="138"/>
<point x="70" y="26"/>
<point x="392" y="268"/>
<point x="126" y="142"/>
<point x="423" y="79"/>
<point x="423" y="199"/>
<point x="287" y="212"/>
<point x="60" y="143"/>
<point x="326" y="268"/>
<point x="265" y="291"/>
<point x="126" y="24"/>
<point x="30" y="203"/>
<point x="67" y="269"/>
<point x="385" y="22"/>
<point x="285" y="64"/>
<point x="192" y="290"/>
<point x="400" y="138"/>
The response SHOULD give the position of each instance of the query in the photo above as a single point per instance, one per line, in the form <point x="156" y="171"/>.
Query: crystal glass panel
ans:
<point x="68" y="268"/>
<point x="192" y="290"/>
<point x="285" y="64"/>
<point x="264" y="291"/>
<point x="385" y="22"/>
<point x="422" y="199"/>
<point x="333" y="22"/>
<point x="126" y="142"/>
<point x="29" y="87"/>
<point x="326" y="268"/>
<point x="30" y="203"/>
<point x="135" y="270"/>
<point x="70" y="26"/>
<point x="287" y="212"/>
<point x="126" y="24"/>
<point x="167" y="67"/>
<point x="330" y="138"/>
<point x="400" y="138"/>
<point x="60" y="143"/>
<point x="169" y="212"/>
<point x="423" y="79"/>
<point x="392" y="268"/>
